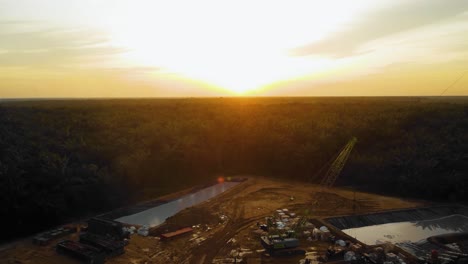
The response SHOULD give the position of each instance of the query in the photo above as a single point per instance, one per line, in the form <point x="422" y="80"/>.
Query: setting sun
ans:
<point x="152" y="48"/>
<point x="215" y="131"/>
<point x="217" y="45"/>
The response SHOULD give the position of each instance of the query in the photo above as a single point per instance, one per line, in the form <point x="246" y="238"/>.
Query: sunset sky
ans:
<point x="150" y="48"/>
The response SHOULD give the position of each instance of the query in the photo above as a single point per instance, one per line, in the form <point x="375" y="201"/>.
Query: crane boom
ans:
<point x="338" y="165"/>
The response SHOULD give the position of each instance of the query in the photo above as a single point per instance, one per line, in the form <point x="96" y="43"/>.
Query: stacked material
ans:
<point x="423" y="249"/>
<point x="104" y="238"/>
<point x="108" y="247"/>
<point x="46" y="237"/>
<point x="415" y="214"/>
<point x="82" y="252"/>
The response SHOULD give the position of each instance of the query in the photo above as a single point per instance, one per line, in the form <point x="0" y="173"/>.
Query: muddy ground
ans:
<point x="227" y="224"/>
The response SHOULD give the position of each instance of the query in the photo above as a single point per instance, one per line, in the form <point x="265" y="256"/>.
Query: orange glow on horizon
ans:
<point x="210" y="48"/>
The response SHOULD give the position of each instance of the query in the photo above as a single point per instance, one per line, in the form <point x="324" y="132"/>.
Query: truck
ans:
<point x="278" y="246"/>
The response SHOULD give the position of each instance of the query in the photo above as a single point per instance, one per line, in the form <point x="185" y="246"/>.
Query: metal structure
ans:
<point x="282" y="241"/>
<point x="110" y="248"/>
<point x="81" y="252"/>
<point x="107" y="228"/>
<point x="177" y="233"/>
<point x="102" y="238"/>
<point x="280" y="246"/>
<point x="453" y="84"/>
<point x="337" y="166"/>
<point x="46" y="237"/>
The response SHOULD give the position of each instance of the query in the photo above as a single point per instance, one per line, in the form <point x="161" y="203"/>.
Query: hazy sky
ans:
<point x="138" y="48"/>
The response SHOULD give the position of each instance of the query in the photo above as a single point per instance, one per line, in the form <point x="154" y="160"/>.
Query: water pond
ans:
<point x="413" y="231"/>
<point x="157" y="215"/>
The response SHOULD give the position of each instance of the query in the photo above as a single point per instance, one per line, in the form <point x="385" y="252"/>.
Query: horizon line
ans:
<point x="220" y="97"/>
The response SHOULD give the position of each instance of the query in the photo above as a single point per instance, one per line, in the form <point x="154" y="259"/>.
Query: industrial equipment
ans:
<point x="46" y="237"/>
<point x="103" y="238"/>
<point x="109" y="247"/>
<point x="82" y="252"/>
<point x="337" y="166"/>
<point x="107" y="228"/>
<point x="281" y="246"/>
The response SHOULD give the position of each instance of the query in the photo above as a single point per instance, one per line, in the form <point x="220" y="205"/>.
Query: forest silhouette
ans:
<point x="67" y="159"/>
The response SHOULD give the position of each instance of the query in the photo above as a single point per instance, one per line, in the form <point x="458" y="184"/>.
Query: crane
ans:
<point x="337" y="166"/>
<point x="334" y="170"/>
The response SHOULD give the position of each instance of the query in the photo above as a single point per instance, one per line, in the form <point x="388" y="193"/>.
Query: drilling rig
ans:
<point x="285" y="245"/>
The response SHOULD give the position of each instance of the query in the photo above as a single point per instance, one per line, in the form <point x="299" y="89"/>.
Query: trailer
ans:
<point x="278" y="246"/>
<point x="172" y="235"/>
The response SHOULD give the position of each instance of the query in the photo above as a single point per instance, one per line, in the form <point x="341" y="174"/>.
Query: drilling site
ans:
<point x="249" y="219"/>
<point x="229" y="228"/>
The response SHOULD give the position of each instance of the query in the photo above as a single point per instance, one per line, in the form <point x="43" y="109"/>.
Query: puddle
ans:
<point x="157" y="215"/>
<point x="413" y="231"/>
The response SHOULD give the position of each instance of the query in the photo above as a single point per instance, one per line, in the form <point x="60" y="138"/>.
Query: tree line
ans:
<point x="65" y="159"/>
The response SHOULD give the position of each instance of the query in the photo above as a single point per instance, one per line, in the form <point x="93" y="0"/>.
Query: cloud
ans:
<point x="410" y="78"/>
<point x="22" y="44"/>
<point x="58" y="57"/>
<point x="50" y="39"/>
<point x="405" y="16"/>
